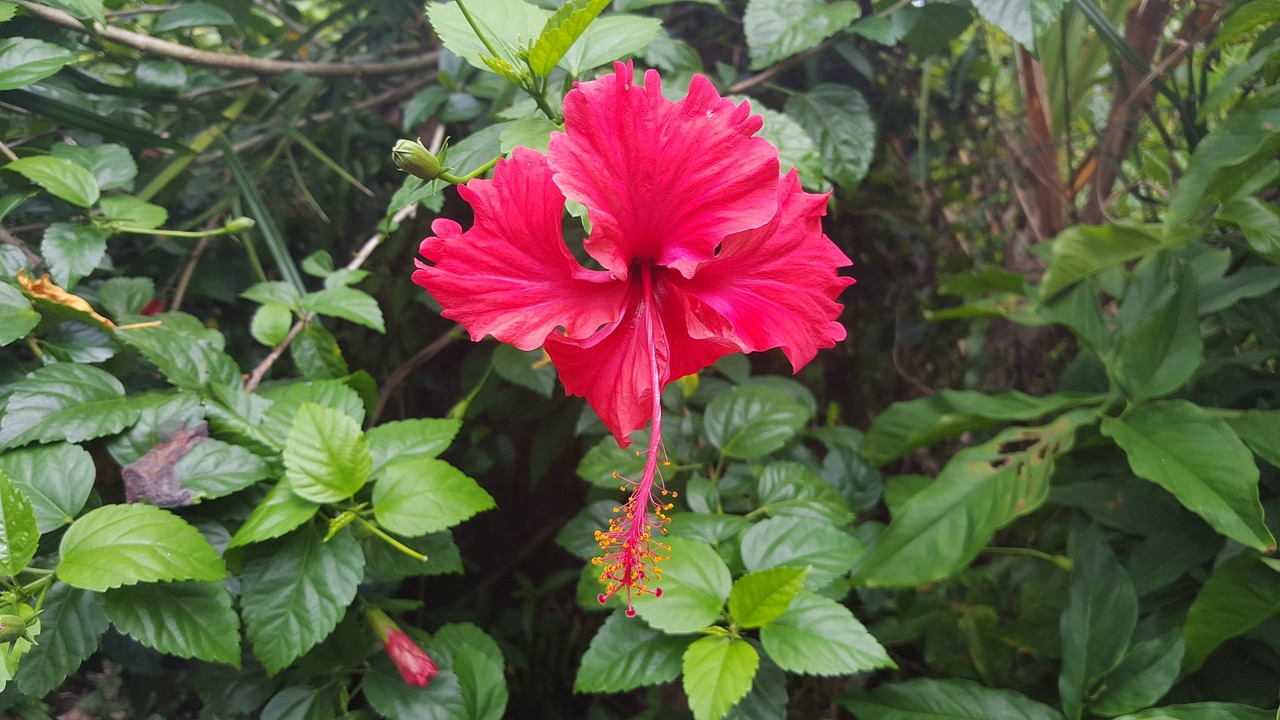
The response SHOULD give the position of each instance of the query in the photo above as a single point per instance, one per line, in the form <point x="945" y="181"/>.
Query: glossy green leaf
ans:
<point x="1195" y="455"/>
<point x="1100" y="615"/>
<point x="758" y="597"/>
<point x="271" y="323"/>
<point x="65" y="402"/>
<point x="778" y="29"/>
<point x="529" y="369"/>
<point x="60" y="177"/>
<point x="316" y="354"/>
<point x="133" y="212"/>
<point x="839" y="120"/>
<point x="1160" y="346"/>
<point x="695" y="583"/>
<point x="72" y="251"/>
<point x="213" y="468"/>
<point x="1083" y="251"/>
<point x="748" y="422"/>
<point x="788" y="489"/>
<point x="56" y="479"/>
<point x="483" y="682"/>
<point x="563" y="28"/>
<point x="767" y="699"/>
<point x="1202" y="711"/>
<point x="280" y="512"/>
<point x="72" y="625"/>
<point x="532" y="132"/>
<point x="300" y="702"/>
<point x="287" y="400"/>
<point x="123" y="296"/>
<point x="189" y="357"/>
<point x="17" y="317"/>
<point x="118" y="545"/>
<point x="188" y="15"/>
<point x="83" y="9"/>
<point x="626" y="654"/>
<point x="112" y="165"/>
<point x="819" y="636"/>
<point x="161" y="76"/>
<point x="388" y="694"/>
<point x="507" y="25"/>
<point x="25" y="60"/>
<point x="295" y="591"/>
<point x="7" y="11"/>
<point x="1242" y="592"/>
<point x="605" y="458"/>
<point x="946" y="524"/>
<point x="187" y="619"/>
<point x="1023" y="20"/>
<point x="404" y="440"/>
<point x="609" y="38"/>
<point x="930" y="699"/>
<point x="18" y="534"/>
<point x="906" y="426"/>
<point x="325" y="458"/>
<point x="828" y="552"/>
<point x="1145" y="674"/>
<point x="717" y="673"/>
<point x="416" y="497"/>
<point x="796" y="148"/>
<point x="157" y="423"/>
<point x="346" y="303"/>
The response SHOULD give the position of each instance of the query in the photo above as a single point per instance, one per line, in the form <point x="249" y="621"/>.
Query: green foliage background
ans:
<point x="1038" y="481"/>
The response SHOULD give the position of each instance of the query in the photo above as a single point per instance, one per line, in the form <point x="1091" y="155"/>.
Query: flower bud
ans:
<point x="413" y="157"/>
<point x="414" y="665"/>
<point x="12" y="628"/>
<point x="240" y="224"/>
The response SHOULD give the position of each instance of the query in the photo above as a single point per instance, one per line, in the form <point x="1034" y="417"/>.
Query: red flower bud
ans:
<point x="414" y="665"/>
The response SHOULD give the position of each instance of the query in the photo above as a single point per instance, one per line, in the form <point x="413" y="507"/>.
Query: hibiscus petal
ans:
<point x="663" y="181"/>
<point x="612" y="368"/>
<point x="776" y="286"/>
<point x="511" y="275"/>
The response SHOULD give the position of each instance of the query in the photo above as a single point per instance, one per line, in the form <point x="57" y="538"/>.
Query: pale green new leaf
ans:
<point x="279" y="512"/>
<point x="416" y="497"/>
<point x="563" y="28"/>
<point x="118" y="545"/>
<point x="325" y="458"/>
<point x="133" y="212"/>
<point x="608" y="39"/>
<point x="59" y="176"/>
<point x="18" y="533"/>
<point x="718" y="673"/>
<point x="346" y="303"/>
<point x="819" y="636"/>
<point x="759" y="597"/>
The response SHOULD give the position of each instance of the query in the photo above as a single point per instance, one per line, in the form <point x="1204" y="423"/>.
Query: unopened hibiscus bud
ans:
<point x="239" y="225"/>
<point x="12" y="628"/>
<point x="414" y="158"/>
<point x="414" y="665"/>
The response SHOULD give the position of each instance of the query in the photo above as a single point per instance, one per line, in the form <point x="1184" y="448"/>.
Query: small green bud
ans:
<point x="413" y="157"/>
<point x="240" y="224"/>
<point x="12" y="628"/>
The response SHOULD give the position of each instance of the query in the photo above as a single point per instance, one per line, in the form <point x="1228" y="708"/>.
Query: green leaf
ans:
<point x="788" y="489"/>
<point x="610" y="38"/>
<point x="906" y="426"/>
<point x="751" y="421"/>
<point x="213" y="468"/>
<point x="507" y="24"/>
<point x="839" y="120"/>
<point x="17" y="317"/>
<point x="286" y="400"/>
<point x="388" y="694"/>
<point x="405" y="440"/>
<point x="68" y="402"/>
<point x="384" y="563"/>
<point x="1202" y="711"/>
<point x="72" y="625"/>
<point x="528" y="369"/>
<point x="7" y="11"/>
<point x="346" y="303"/>
<point x="759" y="597"/>
<point x="82" y="9"/>
<point x="276" y="291"/>
<point x="300" y="702"/>
<point x="279" y="512"/>
<point x="118" y="545"/>
<point x="72" y="251"/>
<point x="563" y="28"/>
<point x="796" y="148"/>
<point x="24" y="61"/>
<point x="1160" y="346"/>
<point x="929" y="699"/>
<point x="271" y="324"/>
<point x="18" y="533"/>
<point x="316" y="354"/>
<point x="416" y="497"/>
<point x="605" y="458"/>
<point x="939" y="529"/>
<point x="189" y="357"/>
<point x="188" y="15"/>
<point x="187" y="619"/>
<point x="1225" y="160"/>
<point x="1194" y="455"/>
<point x="56" y="479"/>
<point x="819" y="636"/>
<point x="294" y="592"/>
<point x="1083" y="251"/>
<point x="778" y="29"/>
<point x="126" y="295"/>
<point x="156" y="424"/>
<point x="1023" y="20"/>
<point x="768" y="697"/>
<point x="626" y="654"/>
<point x="1242" y="592"/>
<point x="828" y="552"/>
<point x="1260" y="430"/>
<point x="1145" y="674"/>
<point x="483" y="682"/>
<point x="717" y="673"/>
<point x="325" y="458"/>
<point x="695" y="583"/>
<point x="1100" y="615"/>
<point x="60" y="177"/>
<point x="112" y="165"/>
<point x="133" y="212"/>
<point x="162" y="76"/>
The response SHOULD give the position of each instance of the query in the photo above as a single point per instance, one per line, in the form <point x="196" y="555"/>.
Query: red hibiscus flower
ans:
<point x="414" y="665"/>
<point x="706" y="249"/>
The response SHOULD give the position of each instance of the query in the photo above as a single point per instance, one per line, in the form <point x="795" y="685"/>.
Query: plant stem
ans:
<point x="392" y="541"/>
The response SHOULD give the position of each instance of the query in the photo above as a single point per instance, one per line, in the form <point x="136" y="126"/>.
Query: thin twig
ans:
<point x="422" y="356"/>
<point x="192" y="56"/>
<point x="4" y="149"/>
<point x="187" y="271"/>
